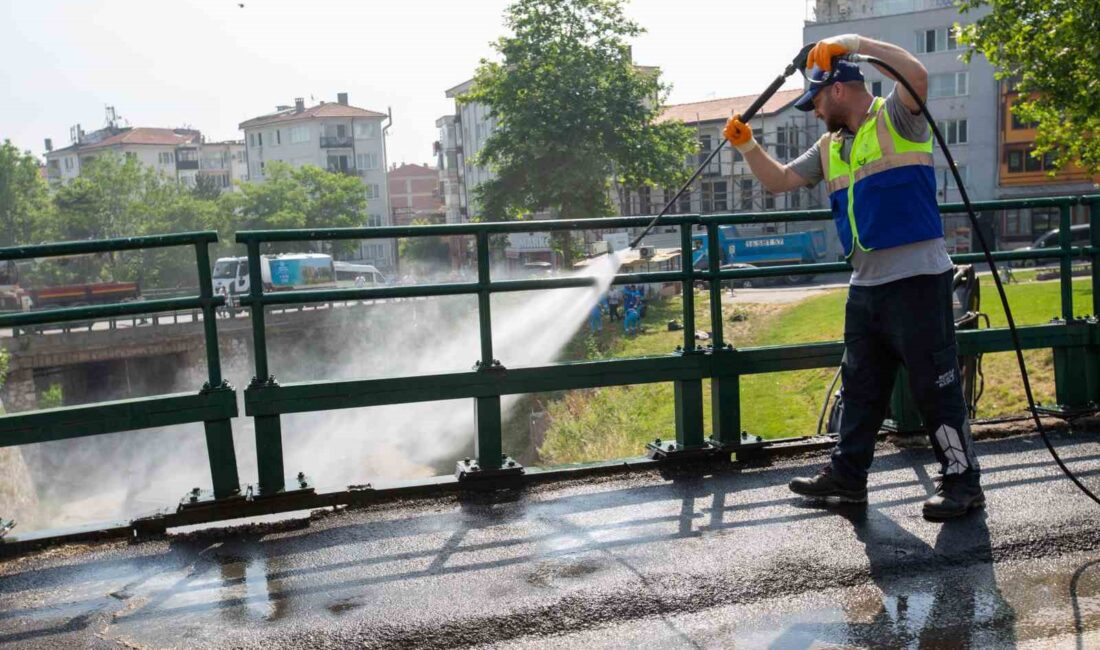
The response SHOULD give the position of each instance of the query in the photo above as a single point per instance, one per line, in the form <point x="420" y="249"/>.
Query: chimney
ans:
<point x="342" y="98"/>
<point x="49" y="144"/>
<point x="299" y="104"/>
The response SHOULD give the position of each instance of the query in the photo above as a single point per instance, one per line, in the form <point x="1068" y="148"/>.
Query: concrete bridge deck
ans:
<point x="727" y="559"/>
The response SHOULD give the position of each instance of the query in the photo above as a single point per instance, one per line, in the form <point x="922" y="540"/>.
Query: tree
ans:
<point x="119" y="197"/>
<point x="571" y="112"/>
<point x="23" y="197"/>
<point x="303" y="197"/>
<point x="1051" y="48"/>
<point x="424" y="254"/>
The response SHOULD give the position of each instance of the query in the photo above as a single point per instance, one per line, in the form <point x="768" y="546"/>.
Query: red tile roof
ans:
<point x="722" y="109"/>
<point x="334" y="109"/>
<point x="412" y="170"/>
<point x="147" y="135"/>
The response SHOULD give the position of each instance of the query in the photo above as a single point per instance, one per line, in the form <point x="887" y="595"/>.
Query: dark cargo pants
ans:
<point x="909" y="322"/>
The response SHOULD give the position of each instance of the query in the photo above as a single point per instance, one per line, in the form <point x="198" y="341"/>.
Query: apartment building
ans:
<point x="415" y="194"/>
<point x="462" y="136"/>
<point x="335" y="136"/>
<point x="963" y="97"/>
<point x="181" y="155"/>
<point x="1019" y="174"/>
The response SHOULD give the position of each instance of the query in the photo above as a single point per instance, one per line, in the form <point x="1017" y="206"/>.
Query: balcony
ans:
<point x="350" y="171"/>
<point x="333" y="141"/>
<point x="185" y="165"/>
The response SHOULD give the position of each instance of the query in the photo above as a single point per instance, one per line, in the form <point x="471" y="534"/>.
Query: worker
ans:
<point x="876" y="161"/>
<point x="631" y="321"/>
<point x="595" y="319"/>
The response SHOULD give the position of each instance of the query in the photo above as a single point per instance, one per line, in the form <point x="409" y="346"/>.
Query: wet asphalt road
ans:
<point x="641" y="560"/>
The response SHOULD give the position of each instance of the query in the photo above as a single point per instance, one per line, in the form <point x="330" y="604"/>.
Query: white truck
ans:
<point x="282" y="272"/>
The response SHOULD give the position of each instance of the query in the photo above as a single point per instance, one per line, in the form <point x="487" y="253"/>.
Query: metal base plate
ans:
<point x="750" y="446"/>
<point x="199" y="498"/>
<point x="5" y="526"/>
<point x="893" y="427"/>
<point x="468" y="469"/>
<point x="1067" y="412"/>
<point x="658" y="450"/>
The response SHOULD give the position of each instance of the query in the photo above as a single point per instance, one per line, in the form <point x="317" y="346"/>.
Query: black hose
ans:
<point x="989" y="260"/>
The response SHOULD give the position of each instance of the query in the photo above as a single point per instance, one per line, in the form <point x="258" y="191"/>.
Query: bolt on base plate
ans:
<point x="468" y="469"/>
<point x="668" y="450"/>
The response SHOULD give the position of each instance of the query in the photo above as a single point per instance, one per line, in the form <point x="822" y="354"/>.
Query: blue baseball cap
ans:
<point x="842" y="71"/>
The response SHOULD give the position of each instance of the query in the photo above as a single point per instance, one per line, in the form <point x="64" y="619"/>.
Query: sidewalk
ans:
<point x="637" y="560"/>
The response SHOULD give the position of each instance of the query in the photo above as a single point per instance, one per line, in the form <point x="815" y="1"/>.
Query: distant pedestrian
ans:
<point x="614" y="301"/>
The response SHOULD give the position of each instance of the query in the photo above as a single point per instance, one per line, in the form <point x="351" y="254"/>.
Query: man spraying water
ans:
<point x="876" y="161"/>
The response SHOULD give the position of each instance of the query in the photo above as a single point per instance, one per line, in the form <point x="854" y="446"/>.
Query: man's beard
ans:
<point x="833" y="123"/>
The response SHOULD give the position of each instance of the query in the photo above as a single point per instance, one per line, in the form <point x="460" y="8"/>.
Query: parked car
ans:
<point x="1079" y="236"/>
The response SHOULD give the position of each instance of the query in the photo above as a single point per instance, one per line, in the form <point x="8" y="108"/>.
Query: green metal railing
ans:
<point x="1074" y="340"/>
<point x="214" y="405"/>
<point x="266" y="399"/>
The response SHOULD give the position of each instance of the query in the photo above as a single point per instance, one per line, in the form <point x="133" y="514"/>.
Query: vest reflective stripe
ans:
<point x="885" y="196"/>
<point x="896" y="160"/>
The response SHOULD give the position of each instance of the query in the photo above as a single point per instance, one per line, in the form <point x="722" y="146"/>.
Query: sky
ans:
<point x="211" y="64"/>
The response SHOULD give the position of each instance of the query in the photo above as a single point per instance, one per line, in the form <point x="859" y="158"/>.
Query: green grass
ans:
<point x="617" y="421"/>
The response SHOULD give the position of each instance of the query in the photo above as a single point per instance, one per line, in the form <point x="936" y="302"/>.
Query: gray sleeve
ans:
<point x="808" y="165"/>
<point x="909" y="126"/>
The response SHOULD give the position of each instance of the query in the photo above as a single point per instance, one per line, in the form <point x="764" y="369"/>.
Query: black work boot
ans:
<point x="827" y="484"/>
<point x="956" y="495"/>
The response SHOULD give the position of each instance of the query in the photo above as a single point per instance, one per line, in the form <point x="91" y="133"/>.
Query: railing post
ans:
<point x="688" y="393"/>
<point x="1073" y="366"/>
<point x="269" y="433"/>
<point x="219" y="433"/>
<point x="725" y="387"/>
<point x="1065" y="276"/>
<point x="487" y="418"/>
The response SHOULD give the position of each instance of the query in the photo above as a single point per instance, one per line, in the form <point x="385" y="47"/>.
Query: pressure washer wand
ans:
<point x="797" y="64"/>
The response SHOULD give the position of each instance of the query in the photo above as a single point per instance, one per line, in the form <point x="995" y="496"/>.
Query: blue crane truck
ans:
<point x="806" y="247"/>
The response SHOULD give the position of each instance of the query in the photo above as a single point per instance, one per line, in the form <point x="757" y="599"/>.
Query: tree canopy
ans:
<point x="571" y="112"/>
<point x="23" y="196"/>
<point x="1051" y="48"/>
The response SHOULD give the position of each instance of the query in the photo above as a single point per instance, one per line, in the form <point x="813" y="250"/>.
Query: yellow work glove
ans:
<point x="739" y="134"/>
<point x="822" y="54"/>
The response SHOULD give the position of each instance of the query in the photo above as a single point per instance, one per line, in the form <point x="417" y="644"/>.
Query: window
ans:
<point x="130" y="155"/>
<point x="373" y="192"/>
<point x="949" y="84"/>
<point x="366" y="129"/>
<point x="278" y="137"/>
<point x="746" y="194"/>
<point x="252" y="139"/>
<point x="940" y="39"/>
<point x="644" y="202"/>
<point x="260" y="139"/>
<point x="1018" y="125"/>
<point x="769" y="201"/>
<point x="367" y="160"/>
<point x="298" y="134"/>
<point x="68" y="163"/>
<point x="166" y="157"/>
<point x="714" y="196"/>
<point x="947" y="179"/>
<point x="795" y="198"/>
<point x="684" y="202"/>
<point x="781" y="151"/>
<point x="339" y="164"/>
<point x="876" y="88"/>
<point x="374" y="221"/>
<point x="261" y="167"/>
<point x="954" y="131"/>
<point x="1017" y="223"/>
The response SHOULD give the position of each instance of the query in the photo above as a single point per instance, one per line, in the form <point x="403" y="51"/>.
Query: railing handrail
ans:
<point x="107" y="245"/>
